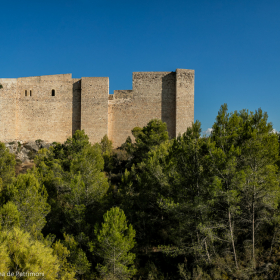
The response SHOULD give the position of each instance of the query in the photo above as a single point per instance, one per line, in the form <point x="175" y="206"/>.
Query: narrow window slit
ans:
<point x="26" y="93"/>
<point x="30" y="92"/>
<point x="53" y="92"/>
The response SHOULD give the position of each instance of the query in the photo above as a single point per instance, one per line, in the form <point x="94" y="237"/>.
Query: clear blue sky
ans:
<point x="233" y="46"/>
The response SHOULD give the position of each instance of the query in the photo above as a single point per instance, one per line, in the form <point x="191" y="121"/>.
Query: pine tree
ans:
<point x="21" y="254"/>
<point x="7" y="166"/>
<point x="31" y="201"/>
<point x="115" y="240"/>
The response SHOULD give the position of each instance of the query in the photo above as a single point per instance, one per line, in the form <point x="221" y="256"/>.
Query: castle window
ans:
<point x="26" y="93"/>
<point x="53" y="92"/>
<point x="30" y="92"/>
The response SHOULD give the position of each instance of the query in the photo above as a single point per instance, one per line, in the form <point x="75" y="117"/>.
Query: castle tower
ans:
<point x="184" y="100"/>
<point x="53" y="107"/>
<point x="94" y="107"/>
<point x="168" y="96"/>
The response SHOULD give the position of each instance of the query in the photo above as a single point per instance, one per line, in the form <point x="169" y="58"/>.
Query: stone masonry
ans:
<point x="53" y="107"/>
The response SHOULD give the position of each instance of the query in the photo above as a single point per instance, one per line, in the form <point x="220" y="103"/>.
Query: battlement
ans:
<point x="53" y="107"/>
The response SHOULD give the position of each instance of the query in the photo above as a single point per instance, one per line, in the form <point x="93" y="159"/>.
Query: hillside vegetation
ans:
<point x="194" y="207"/>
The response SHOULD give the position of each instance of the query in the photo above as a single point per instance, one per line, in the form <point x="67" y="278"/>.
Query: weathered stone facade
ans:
<point x="53" y="107"/>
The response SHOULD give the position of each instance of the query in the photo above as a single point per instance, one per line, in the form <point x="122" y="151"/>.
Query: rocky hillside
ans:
<point x="25" y="152"/>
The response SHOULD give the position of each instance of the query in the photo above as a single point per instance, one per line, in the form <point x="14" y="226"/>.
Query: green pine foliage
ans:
<point x="30" y="199"/>
<point x="194" y="207"/>
<point x="28" y="258"/>
<point x="7" y="167"/>
<point x="114" y="241"/>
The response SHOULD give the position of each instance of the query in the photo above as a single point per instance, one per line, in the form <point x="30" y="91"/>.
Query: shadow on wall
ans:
<point x="168" y="104"/>
<point x="76" y="112"/>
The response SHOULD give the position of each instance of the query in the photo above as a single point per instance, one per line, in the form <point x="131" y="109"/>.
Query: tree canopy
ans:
<point x="192" y="207"/>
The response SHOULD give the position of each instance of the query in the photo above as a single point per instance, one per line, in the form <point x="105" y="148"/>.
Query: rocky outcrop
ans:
<point x="26" y="151"/>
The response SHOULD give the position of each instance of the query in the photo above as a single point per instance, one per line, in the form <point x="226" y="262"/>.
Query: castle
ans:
<point x="53" y="107"/>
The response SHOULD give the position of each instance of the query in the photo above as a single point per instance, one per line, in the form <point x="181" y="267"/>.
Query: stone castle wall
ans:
<point x="152" y="97"/>
<point x="76" y="113"/>
<point x="86" y="104"/>
<point x="8" y="114"/>
<point x="41" y="115"/>
<point x="94" y="107"/>
<point x="184" y="99"/>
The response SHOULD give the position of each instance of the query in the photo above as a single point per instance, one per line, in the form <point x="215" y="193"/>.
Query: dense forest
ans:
<point x="194" y="207"/>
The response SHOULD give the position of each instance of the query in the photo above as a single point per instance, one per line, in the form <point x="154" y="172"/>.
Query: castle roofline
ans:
<point x="55" y="75"/>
